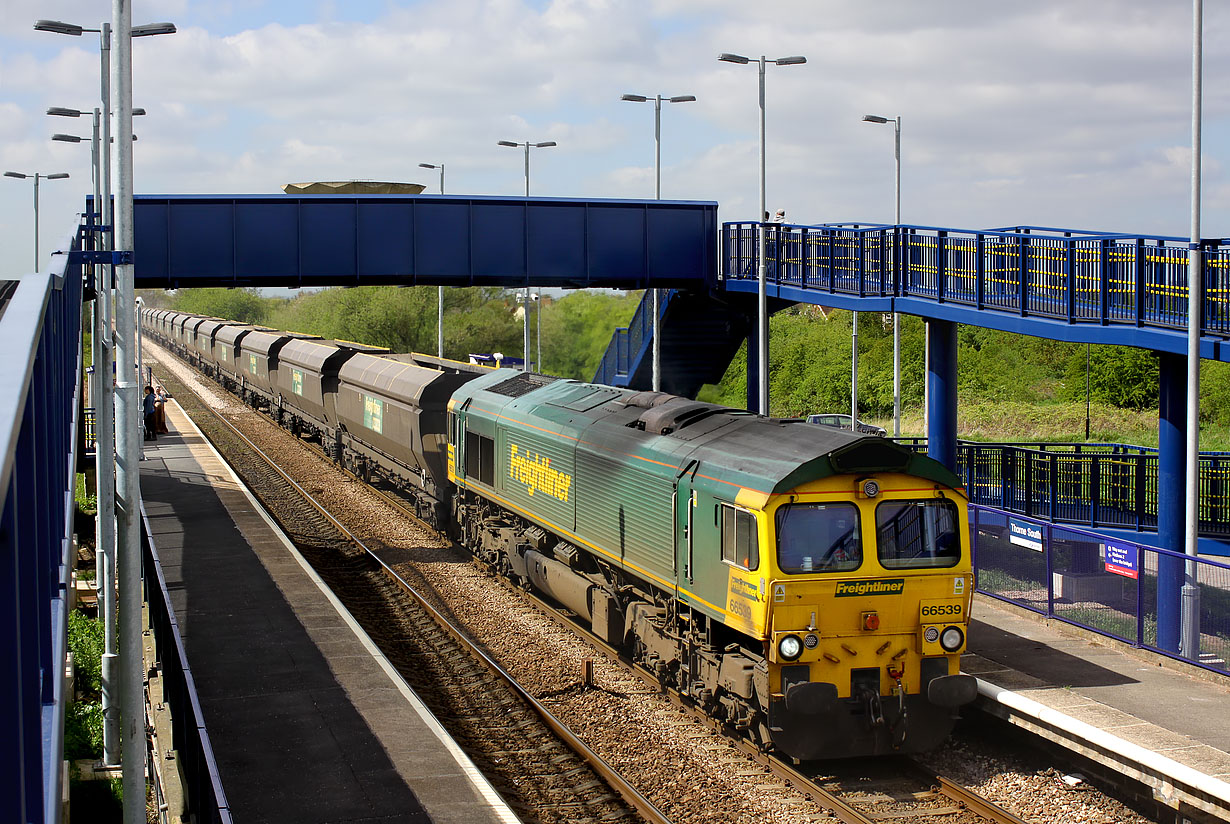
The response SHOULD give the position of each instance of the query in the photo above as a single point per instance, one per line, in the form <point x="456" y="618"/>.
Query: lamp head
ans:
<point x="733" y="58"/>
<point x="874" y="118"/>
<point x="508" y="143"/>
<point x="138" y="112"/>
<point x="545" y="145"/>
<point x="634" y="98"/>
<point x="150" y="29"/>
<point x="56" y="27"/>
<point x="684" y="98"/>
<point x="60" y="111"/>
<point x="56" y="176"/>
<point x="790" y="61"/>
<point x="66" y="138"/>
<point x="428" y="166"/>
<point x="17" y="175"/>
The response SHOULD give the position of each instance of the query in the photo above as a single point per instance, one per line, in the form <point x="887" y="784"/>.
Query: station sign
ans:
<point x="1122" y="559"/>
<point x="1025" y="533"/>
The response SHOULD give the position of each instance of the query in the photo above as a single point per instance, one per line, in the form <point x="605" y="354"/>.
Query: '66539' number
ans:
<point x="938" y="610"/>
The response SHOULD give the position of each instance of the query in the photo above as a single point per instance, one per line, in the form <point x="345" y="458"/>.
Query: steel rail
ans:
<point x="843" y="810"/>
<point x="968" y="798"/>
<point x="625" y="790"/>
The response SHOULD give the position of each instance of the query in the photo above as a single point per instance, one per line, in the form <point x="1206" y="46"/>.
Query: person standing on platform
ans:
<point x="161" y="392"/>
<point x="780" y="216"/>
<point x="150" y="408"/>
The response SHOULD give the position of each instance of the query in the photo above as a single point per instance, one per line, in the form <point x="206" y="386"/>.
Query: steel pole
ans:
<point x="854" y="373"/>
<point x="525" y="305"/>
<point x="897" y="278"/>
<point x="1191" y="589"/>
<point x="36" y="177"/>
<point x="105" y="428"/>
<point x="762" y="298"/>
<point x="656" y="295"/>
<point x="440" y="302"/>
<point x="128" y="520"/>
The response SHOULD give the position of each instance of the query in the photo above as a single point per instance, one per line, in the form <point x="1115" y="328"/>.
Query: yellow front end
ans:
<point x="867" y="607"/>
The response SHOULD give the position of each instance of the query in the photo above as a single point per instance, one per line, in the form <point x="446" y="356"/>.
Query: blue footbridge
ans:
<point x="1046" y="517"/>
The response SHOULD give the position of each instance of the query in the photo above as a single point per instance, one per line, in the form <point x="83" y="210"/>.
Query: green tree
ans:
<point x="244" y="305"/>
<point x="1121" y="376"/>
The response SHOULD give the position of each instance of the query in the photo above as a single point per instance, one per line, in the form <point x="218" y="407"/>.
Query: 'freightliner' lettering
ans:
<point x="876" y="586"/>
<point x="536" y="473"/>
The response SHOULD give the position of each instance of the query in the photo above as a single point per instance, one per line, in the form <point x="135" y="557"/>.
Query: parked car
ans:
<point x="843" y="422"/>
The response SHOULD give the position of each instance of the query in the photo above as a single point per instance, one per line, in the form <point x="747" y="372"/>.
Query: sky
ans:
<point x="1047" y="113"/>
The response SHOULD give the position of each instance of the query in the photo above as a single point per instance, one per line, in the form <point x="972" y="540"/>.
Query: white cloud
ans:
<point x="1050" y="112"/>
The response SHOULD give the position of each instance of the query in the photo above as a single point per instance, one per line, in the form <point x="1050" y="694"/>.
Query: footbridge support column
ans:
<point x="1171" y="465"/>
<point x="753" y="366"/>
<point x="942" y="392"/>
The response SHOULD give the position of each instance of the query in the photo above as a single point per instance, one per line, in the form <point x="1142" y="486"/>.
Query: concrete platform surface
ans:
<point x="1107" y="698"/>
<point x="309" y="721"/>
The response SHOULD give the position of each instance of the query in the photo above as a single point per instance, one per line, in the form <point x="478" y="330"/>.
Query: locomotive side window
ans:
<point x="740" y="544"/>
<point x="480" y="458"/>
<point x="918" y="534"/>
<point x="818" y="538"/>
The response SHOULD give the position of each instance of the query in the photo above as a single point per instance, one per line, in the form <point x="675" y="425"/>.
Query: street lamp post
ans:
<point x="896" y="121"/>
<point x="526" y="305"/>
<point x="1190" y="595"/>
<point x="657" y="194"/>
<point x="37" y="176"/>
<point x="127" y="504"/>
<point x="440" y="302"/>
<point x="762" y="299"/>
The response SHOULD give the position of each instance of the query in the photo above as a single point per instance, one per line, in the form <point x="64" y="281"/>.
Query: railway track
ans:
<point x="544" y="771"/>
<point x="868" y="791"/>
<point x="906" y="794"/>
<point x="872" y="791"/>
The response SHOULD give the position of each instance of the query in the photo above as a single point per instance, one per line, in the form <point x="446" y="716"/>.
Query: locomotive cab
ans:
<point x="867" y="612"/>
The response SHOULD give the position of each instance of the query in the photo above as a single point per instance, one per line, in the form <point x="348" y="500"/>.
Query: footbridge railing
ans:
<point x="627" y="341"/>
<point x="1111" y="486"/>
<point x="1055" y="274"/>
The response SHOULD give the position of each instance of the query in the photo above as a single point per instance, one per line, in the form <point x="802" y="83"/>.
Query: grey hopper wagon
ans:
<point x="395" y="408"/>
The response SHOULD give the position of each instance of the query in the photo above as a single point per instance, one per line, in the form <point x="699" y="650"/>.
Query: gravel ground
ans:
<point x="691" y="773"/>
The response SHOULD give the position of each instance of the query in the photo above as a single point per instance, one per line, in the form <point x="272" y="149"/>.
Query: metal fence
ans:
<point x="1116" y="588"/>
<point x="1097" y="485"/>
<point x="40" y="326"/>
<point x="206" y="798"/>
<point x="627" y="342"/>
<point x="1079" y="277"/>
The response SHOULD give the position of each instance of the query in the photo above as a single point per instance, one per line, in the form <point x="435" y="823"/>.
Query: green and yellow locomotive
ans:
<point x="806" y="585"/>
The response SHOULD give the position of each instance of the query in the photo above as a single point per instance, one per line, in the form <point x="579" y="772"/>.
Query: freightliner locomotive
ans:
<point x="807" y="586"/>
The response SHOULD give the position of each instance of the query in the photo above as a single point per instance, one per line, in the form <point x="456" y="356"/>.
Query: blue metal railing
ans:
<point x="1105" y="585"/>
<point x="206" y="799"/>
<point x="1095" y="485"/>
<point x="629" y="343"/>
<point x="40" y="333"/>
<point x="1078" y="277"/>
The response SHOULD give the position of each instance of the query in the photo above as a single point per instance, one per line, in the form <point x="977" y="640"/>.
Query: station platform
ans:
<point x="309" y="721"/>
<point x="1131" y="711"/>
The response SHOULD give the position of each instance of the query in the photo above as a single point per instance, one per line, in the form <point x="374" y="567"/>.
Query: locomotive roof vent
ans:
<point x="871" y="455"/>
<point x="675" y="414"/>
<point x="521" y="384"/>
<point x="647" y="400"/>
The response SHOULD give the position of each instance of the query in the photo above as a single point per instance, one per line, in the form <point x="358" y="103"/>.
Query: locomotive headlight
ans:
<point x="871" y="489"/>
<point x="790" y="647"/>
<point x="952" y="638"/>
<point x="931" y="634"/>
<point x="810" y="640"/>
